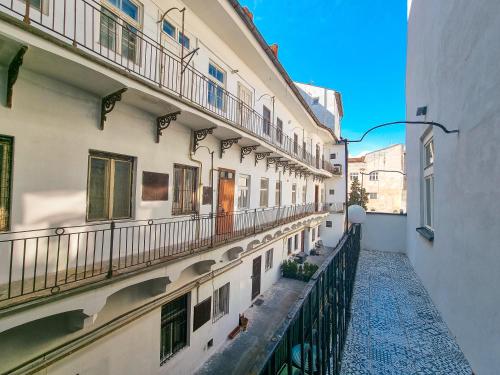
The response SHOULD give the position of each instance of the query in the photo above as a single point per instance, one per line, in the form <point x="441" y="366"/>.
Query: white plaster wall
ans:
<point x="384" y="232"/>
<point x="453" y="70"/>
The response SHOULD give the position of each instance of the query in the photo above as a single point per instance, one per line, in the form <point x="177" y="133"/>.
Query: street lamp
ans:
<point x="347" y="141"/>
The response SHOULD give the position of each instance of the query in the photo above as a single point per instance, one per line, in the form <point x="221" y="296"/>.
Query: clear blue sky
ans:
<point x="357" y="47"/>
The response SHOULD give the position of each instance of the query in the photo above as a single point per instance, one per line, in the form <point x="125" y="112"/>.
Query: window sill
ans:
<point x="427" y="233"/>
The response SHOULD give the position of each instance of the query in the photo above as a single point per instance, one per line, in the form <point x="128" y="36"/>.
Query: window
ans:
<point x="243" y="191"/>
<point x="42" y="5"/>
<point x="277" y="197"/>
<point x="245" y="108"/>
<point x="116" y="32"/>
<point x="328" y="224"/>
<point x="428" y="182"/>
<point x="290" y="245"/>
<point x="313" y="234"/>
<point x="109" y="189"/>
<point x="332" y="191"/>
<point x="173" y="327"/>
<point x="266" y="121"/>
<point x="303" y="150"/>
<point x="304" y="193"/>
<point x="353" y="176"/>
<point x="201" y="313"/>
<point x="269" y="259"/>
<point x="374" y="176"/>
<point x="294" y="193"/>
<point x="6" y="144"/>
<point x="279" y="130"/>
<point x="216" y="86"/>
<point x="168" y="28"/>
<point x="333" y="156"/>
<point x="185" y="191"/>
<point x="184" y="40"/>
<point x="296" y="241"/>
<point x="318" y="230"/>
<point x="373" y="195"/>
<point x="295" y="143"/>
<point x="221" y="302"/>
<point x="315" y="100"/>
<point x="264" y="192"/>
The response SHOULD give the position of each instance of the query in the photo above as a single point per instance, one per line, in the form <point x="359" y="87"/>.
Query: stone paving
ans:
<point x="395" y="328"/>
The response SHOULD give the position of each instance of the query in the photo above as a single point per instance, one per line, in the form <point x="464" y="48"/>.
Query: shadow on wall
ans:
<point x="384" y="232"/>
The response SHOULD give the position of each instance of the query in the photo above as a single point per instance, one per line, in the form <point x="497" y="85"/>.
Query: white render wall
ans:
<point x="384" y="232"/>
<point x="453" y="70"/>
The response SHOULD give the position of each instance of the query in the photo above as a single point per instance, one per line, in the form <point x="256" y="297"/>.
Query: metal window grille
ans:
<point x="5" y="181"/>
<point x="184" y="201"/>
<point x="221" y="302"/>
<point x="173" y="327"/>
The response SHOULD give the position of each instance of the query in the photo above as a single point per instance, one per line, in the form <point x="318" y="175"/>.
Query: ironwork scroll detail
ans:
<point x="163" y="122"/>
<point x="246" y="150"/>
<point x="225" y="144"/>
<point x="261" y="156"/>
<point x="200" y="135"/>
<point x="13" y="73"/>
<point x="108" y="104"/>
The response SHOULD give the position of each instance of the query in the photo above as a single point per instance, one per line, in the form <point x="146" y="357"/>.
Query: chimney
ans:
<point x="274" y="48"/>
<point x="248" y="13"/>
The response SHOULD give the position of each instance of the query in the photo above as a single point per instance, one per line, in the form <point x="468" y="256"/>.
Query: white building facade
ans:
<point x="453" y="179"/>
<point x="151" y="182"/>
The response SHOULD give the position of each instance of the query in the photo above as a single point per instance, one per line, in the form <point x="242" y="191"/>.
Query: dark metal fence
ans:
<point x="86" y="24"/>
<point x="37" y="263"/>
<point x="312" y="340"/>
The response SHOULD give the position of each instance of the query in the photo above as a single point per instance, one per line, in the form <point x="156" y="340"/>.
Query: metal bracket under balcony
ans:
<point x="247" y="150"/>
<point x="292" y="168"/>
<point x="108" y="104"/>
<point x="163" y="122"/>
<point x="200" y="135"/>
<point x="13" y="73"/>
<point x="261" y="156"/>
<point x="282" y="163"/>
<point x="225" y="144"/>
<point x="271" y="161"/>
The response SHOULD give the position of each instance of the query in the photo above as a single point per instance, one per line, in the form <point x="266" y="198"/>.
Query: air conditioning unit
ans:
<point x="337" y="169"/>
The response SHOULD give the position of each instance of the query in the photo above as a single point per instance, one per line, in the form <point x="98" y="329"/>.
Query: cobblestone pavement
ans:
<point x="395" y="328"/>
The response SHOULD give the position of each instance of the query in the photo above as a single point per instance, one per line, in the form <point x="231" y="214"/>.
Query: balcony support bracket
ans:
<point x="13" y="73"/>
<point x="108" y="104"/>
<point x="271" y="161"/>
<point x="163" y="122"/>
<point x="261" y="156"/>
<point x="282" y="163"/>
<point x="247" y="150"/>
<point x="225" y="144"/>
<point x="200" y="135"/>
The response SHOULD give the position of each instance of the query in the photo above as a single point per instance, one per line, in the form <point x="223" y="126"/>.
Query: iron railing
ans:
<point x="87" y="24"/>
<point x="38" y="263"/>
<point x="312" y="340"/>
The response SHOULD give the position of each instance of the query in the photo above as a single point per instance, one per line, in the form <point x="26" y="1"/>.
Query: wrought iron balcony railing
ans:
<point x="87" y="25"/>
<point x="311" y="341"/>
<point x="38" y="263"/>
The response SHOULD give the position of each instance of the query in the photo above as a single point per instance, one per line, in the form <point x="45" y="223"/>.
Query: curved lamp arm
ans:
<point x="432" y="123"/>
<point x="382" y="170"/>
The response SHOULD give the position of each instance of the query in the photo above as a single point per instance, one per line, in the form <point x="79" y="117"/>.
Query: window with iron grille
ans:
<point x="279" y="130"/>
<point x="328" y="224"/>
<point x="269" y="259"/>
<point x="109" y="190"/>
<point x="173" y="327"/>
<point x="184" y="201"/>
<point x="221" y="302"/>
<point x="5" y="180"/>
<point x="201" y="313"/>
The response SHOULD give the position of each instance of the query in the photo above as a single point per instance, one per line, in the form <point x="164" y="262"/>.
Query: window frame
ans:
<point x="277" y="193"/>
<point x="217" y="84"/>
<point x="279" y="130"/>
<point x="266" y="121"/>
<point x="264" y="190"/>
<point x="353" y="175"/>
<point x="294" y="193"/>
<point x="244" y="188"/>
<point x="112" y="158"/>
<point x="269" y="255"/>
<point x="182" y="316"/>
<point x="217" y="312"/>
<point x="373" y="195"/>
<point x="373" y="176"/>
<point x="427" y="173"/>
<point x="174" y="37"/>
<point x="194" y="203"/>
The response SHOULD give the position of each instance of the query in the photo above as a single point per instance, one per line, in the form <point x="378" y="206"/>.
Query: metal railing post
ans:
<point x="111" y="245"/>
<point x="255" y="220"/>
<point x="26" y="18"/>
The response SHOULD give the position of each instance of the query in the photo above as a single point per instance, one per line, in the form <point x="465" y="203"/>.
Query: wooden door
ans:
<point x="225" y="204"/>
<point x="316" y="197"/>
<point x="256" y="276"/>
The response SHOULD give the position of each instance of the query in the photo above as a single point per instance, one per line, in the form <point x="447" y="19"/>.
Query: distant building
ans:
<point x="326" y="104"/>
<point x="381" y="173"/>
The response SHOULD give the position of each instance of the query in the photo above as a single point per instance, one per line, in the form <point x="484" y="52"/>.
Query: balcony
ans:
<point x="77" y="24"/>
<point x="39" y="263"/>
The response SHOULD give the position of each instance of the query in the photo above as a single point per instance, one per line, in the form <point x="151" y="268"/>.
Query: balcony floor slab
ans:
<point x="395" y="328"/>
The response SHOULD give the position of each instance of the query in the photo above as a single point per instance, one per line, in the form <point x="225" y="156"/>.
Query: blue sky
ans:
<point x="353" y="46"/>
